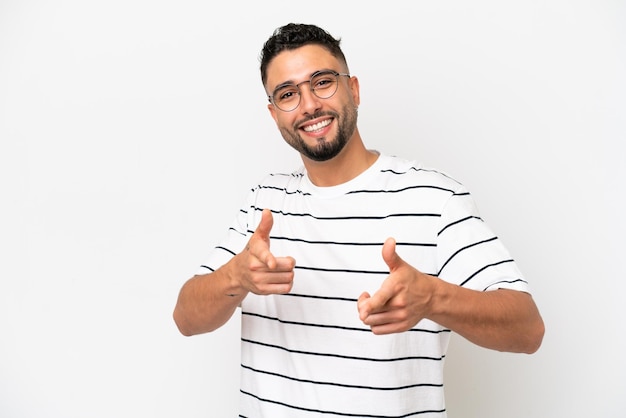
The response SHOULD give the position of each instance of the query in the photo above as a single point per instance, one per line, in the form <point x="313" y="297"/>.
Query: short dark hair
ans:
<point x="293" y="36"/>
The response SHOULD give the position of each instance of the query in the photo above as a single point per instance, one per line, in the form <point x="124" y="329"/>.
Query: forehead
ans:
<point x="299" y="64"/>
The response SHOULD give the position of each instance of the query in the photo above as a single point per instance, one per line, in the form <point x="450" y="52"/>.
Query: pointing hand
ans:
<point x="259" y="270"/>
<point x="403" y="298"/>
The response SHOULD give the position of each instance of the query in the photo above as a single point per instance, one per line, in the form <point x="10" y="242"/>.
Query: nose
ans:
<point x="309" y="102"/>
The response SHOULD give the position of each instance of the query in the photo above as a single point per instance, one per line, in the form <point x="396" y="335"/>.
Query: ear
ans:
<point x="272" y="110"/>
<point x="354" y="89"/>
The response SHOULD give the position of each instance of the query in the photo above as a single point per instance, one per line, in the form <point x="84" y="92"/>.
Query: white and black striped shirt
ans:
<point x="306" y="354"/>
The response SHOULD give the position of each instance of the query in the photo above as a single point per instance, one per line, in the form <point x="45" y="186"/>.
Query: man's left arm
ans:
<point x="504" y="320"/>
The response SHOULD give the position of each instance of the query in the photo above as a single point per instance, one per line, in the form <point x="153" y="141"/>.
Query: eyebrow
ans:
<point x="293" y="83"/>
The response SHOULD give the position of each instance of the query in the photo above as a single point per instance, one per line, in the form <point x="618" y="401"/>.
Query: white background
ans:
<point x="131" y="130"/>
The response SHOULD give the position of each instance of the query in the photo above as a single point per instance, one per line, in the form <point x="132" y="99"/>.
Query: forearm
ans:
<point x="503" y="320"/>
<point x="206" y="302"/>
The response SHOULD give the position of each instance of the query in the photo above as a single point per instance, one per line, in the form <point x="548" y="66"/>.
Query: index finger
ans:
<point x="378" y="301"/>
<point x="263" y="254"/>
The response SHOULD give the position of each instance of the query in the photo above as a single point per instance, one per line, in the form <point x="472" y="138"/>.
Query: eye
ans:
<point x="323" y="81"/>
<point x="285" y="93"/>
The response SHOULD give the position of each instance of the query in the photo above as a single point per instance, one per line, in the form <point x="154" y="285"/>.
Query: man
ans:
<point x="352" y="271"/>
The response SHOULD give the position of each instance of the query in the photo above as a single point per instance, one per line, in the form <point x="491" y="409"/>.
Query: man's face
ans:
<point x="318" y="128"/>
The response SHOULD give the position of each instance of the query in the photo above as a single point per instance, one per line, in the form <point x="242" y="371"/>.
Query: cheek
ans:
<point x="283" y="121"/>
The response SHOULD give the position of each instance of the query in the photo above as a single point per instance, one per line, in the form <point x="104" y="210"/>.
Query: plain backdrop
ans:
<point x="131" y="130"/>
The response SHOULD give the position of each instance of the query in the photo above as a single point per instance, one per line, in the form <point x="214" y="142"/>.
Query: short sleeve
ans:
<point x="469" y="253"/>
<point x="233" y="241"/>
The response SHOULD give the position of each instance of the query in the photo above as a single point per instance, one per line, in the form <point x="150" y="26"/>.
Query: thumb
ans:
<point x="265" y="226"/>
<point x="391" y="257"/>
<point x="262" y="234"/>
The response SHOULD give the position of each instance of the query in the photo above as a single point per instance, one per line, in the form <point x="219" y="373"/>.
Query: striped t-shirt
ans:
<point x="307" y="354"/>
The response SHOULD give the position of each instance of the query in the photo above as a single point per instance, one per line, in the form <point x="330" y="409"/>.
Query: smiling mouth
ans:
<point x="317" y="126"/>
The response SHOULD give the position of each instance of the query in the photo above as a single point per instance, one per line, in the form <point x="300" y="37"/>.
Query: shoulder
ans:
<point x="281" y="181"/>
<point x="413" y="172"/>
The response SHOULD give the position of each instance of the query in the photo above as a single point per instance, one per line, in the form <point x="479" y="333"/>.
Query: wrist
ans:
<point x="232" y="283"/>
<point x="441" y="297"/>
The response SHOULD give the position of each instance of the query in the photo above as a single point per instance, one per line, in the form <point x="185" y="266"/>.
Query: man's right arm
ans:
<point x="206" y="302"/>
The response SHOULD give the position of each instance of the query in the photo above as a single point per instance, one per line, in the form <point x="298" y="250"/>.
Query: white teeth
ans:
<point x="317" y="126"/>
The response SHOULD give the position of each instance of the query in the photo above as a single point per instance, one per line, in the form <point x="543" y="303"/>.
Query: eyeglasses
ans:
<point x="323" y="84"/>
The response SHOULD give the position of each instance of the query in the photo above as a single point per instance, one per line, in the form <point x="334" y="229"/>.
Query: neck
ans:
<point x="353" y="160"/>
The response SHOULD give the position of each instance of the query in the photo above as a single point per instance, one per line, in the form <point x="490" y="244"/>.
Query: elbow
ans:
<point x="182" y="324"/>
<point x="188" y="327"/>
<point x="534" y="328"/>
<point x="535" y="337"/>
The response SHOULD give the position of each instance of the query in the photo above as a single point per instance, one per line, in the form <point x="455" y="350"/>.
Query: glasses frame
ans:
<point x="310" y="81"/>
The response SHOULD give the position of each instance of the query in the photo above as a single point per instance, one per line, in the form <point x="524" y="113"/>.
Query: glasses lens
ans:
<point x="286" y="98"/>
<point x="324" y="84"/>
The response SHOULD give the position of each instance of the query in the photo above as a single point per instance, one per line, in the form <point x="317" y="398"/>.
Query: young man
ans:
<point x="352" y="271"/>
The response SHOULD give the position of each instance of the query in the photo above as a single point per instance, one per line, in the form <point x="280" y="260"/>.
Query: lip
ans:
<point x="324" y="125"/>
